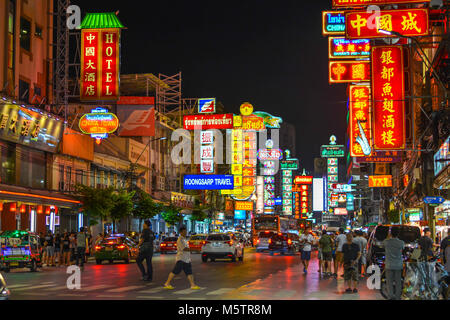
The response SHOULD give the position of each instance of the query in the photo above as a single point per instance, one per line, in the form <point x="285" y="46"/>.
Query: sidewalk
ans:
<point x="293" y="284"/>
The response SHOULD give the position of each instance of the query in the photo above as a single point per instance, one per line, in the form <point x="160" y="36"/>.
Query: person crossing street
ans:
<point x="81" y="247"/>
<point x="146" y="252"/>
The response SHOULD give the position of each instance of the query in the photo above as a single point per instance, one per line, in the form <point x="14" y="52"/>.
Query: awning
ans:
<point x="34" y="196"/>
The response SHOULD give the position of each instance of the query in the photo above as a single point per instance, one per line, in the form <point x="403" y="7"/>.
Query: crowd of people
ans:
<point x="65" y="249"/>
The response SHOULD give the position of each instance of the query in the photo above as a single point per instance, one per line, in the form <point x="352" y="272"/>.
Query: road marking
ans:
<point x="70" y="295"/>
<point x="110" y="296"/>
<point x="154" y="290"/>
<point x="57" y="288"/>
<point x="190" y="298"/>
<point x="34" y="294"/>
<point x="187" y="291"/>
<point x="35" y="287"/>
<point x="220" y="292"/>
<point x="17" y="286"/>
<point x="124" y="289"/>
<point x="93" y="288"/>
<point x="47" y="282"/>
<point x="149" y="297"/>
<point x="284" y="294"/>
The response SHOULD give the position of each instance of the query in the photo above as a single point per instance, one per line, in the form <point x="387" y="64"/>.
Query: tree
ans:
<point x="172" y="215"/>
<point x="199" y="213"/>
<point x="145" y="207"/>
<point x="96" y="202"/>
<point x="122" y="206"/>
<point x="393" y="216"/>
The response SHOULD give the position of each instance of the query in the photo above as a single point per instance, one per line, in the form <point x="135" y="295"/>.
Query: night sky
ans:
<point x="270" y="53"/>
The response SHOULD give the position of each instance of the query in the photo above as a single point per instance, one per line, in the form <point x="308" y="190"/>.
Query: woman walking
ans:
<point x="65" y="249"/>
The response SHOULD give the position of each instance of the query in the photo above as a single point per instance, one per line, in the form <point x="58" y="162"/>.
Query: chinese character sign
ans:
<point x="349" y="71"/>
<point x="409" y="22"/>
<point x="364" y="3"/>
<point x="339" y="47"/>
<point x="388" y="97"/>
<point x="359" y="119"/>
<point x="99" y="64"/>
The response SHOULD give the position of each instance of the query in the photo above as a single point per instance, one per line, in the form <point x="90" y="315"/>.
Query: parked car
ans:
<point x="262" y="242"/>
<point x="4" y="292"/>
<point x="168" y="244"/>
<point x="116" y="247"/>
<point x="20" y="249"/>
<point x="196" y="242"/>
<point x="284" y="243"/>
<point x="375" y="249"/>
<point x="222" y="246"/>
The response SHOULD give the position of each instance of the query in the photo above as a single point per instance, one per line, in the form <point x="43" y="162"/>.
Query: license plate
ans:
<point x="169" y="245"/>
<point x="109" y="248"/>
<point x="13" y="264"/>
<point x="217" y="244"/>
<point x="278" y="242"/>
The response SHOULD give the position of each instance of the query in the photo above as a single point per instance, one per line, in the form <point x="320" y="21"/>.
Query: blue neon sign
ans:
<point x="208" y="182"/>
<point x="333" y="22"/>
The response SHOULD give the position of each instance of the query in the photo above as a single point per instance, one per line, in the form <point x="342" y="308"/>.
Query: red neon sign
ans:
<point x="214" y="121"/>
<point x="364" y="3"/>
<point x="380" y="181"/>
<point x="303" y="180"/>
<point x="359" y="111"/>
<point x="388" y="96"/>
<point x="341" y="48"/>
<point x="349" y="71"/>
<point x="409" y="22"/>
<point x="99" y="64"/>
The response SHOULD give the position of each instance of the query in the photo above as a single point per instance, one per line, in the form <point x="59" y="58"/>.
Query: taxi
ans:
<point x="20" y="249"/>
<point x="196" y="242"/>
<point x="168" y="244"/>
<point x="116" y="247"/>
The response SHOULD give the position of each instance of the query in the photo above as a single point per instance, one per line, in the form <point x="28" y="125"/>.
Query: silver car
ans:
<point x="263" y="240"/>
<point x="222" y="246"/>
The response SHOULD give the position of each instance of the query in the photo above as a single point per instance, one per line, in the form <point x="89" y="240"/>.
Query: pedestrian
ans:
<point x="307" y="240"/>
<point x="445" y="251"/>
<point x="393" y="247"/>
<point x="73" y="247"/>
<point x="362" y="243"/>
<point x="183" y="262"/>
<point x="325" y="244"/>
<point x="65" y="249"/>
<point x="351" y="255"/>
<point x="333" y="254"/>
<point x="58" y="249"/>
<point x="426" y="245"/>
<point x="340" y="241"/>
<point x="146" y="251"/>
<point x="50" y="250"/>
<point x="81" y="247"/>
<point x="319" y="255"/>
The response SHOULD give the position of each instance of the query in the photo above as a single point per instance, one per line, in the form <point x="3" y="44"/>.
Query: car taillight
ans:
<point x="257" y="241"/>
<point x="289" y="241"/>
<point x="205" y="242"/>
<point x="98" y="248"/>
<point x="270" y="241"/>
<point x="163" y="244"/>
<point x="121" y="247"/>
<point x="230" y="243"/>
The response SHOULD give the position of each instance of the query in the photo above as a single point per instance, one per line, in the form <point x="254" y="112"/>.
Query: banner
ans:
<point x="408" y="22"/>
<point x="388" y="96"/>
<point x="136" y="116"/>
<point x="216" y="121"/>
<point x="100" y="64"/>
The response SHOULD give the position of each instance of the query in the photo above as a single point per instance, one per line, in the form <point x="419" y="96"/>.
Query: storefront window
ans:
<point x="8" y="163"/>
<point x="32" y="168"/>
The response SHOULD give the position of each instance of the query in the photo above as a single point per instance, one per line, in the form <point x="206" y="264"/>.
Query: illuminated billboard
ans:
<point x="364" y="3"/>
<point x="407" y="22"/>
<point x="205" y="122"/>
<point x="100" y="64"/>
<point x="389" y="128"/>
<point x="206" y="105"/>
<point x="380" y="181"/>
<point x="341" y="48"/>
<point x="318" y="194"/>
<point x="349" y="71"/>
<point x="333" y="22"/>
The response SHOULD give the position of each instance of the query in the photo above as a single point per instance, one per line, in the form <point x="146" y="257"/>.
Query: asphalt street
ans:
<point x="260" y="276"/>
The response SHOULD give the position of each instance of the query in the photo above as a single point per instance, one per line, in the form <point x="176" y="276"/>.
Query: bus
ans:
<point x="273" y="223"/>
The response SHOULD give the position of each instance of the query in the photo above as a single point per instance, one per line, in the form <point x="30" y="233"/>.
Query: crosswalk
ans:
<point x="53" y="290"/>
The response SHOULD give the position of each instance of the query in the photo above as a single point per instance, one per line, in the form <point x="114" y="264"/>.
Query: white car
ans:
<point x="222" y="246"/>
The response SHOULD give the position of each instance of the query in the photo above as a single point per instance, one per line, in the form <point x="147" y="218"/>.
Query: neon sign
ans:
<point x="270" y="154"/>
<point x="363" y="3"/>
<point x="339" y="47"/>
<point x="359" y="119"/>
<point x="333" y="22"/>
<point x="205" y="122"/>
<point x="349" y="71"/>
<point x="99" y="123"/>
<point x="380" y="181"/>
<point x="408" y="22"/>
<point x="269" y="120"/>
<point x="388" y="96"/>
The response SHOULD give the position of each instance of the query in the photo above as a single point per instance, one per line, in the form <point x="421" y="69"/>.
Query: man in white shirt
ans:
<point x="341" y="239"/>
<point x="183" y="262"/>
<point x="307" y="240"/>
